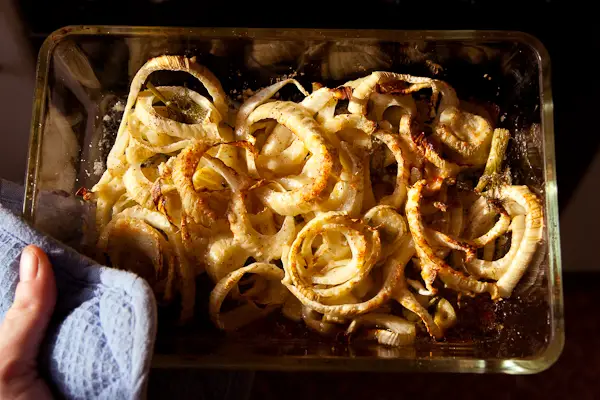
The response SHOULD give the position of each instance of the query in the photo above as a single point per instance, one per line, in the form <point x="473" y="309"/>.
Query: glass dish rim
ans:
<point x="528" y="365"/>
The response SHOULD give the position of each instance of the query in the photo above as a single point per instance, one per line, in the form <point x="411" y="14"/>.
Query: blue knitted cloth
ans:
<point x="101" y="338"/>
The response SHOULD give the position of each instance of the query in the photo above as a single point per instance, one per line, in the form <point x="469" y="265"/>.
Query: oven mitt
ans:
<point x="100" y="341"/>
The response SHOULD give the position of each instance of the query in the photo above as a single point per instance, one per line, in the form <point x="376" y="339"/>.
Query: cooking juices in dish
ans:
<point x="367" y="208"/>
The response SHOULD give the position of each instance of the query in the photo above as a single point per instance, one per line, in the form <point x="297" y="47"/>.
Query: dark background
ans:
<point x="568" y="29"/>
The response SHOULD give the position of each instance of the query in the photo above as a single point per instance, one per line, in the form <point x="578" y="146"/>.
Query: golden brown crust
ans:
<point x="308" y="184"/>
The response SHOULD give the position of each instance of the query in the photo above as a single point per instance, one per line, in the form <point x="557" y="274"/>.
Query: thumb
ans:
<point x="26" y="321"/>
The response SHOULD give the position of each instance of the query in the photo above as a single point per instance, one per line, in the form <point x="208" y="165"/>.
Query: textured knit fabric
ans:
<point x="100" y="341"/>
<point x="101" y="336"/>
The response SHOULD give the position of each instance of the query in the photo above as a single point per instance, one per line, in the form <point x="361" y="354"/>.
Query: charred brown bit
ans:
<point x="394" y="87"/>
<point x="85" y="194"/>
<point x="342" y="92"/>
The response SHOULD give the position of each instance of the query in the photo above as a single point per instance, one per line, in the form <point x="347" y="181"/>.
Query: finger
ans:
<point x="26" y="321"/>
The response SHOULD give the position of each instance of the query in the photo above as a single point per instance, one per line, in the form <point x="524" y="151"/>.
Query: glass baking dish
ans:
<point x="83" y="75"/>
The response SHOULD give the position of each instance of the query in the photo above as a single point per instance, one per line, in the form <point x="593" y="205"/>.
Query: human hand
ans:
<point x="23" y="329"/>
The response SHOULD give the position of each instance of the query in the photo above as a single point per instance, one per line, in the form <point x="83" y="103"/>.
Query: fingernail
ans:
<point x="29" y="266"/>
